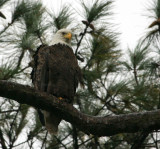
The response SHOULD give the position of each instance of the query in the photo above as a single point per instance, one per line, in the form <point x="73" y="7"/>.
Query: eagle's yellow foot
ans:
<point x="60" y="98"/>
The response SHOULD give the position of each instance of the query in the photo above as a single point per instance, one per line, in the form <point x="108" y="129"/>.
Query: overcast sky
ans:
<point x="130" y="17"/>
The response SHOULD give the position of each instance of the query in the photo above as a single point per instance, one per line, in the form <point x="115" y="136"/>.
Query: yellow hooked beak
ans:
<point x="68" y="36"/>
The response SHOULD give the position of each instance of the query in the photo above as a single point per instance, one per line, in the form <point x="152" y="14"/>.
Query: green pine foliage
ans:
<point x="8" y="71"/>
<point x="2" y="2"/>
<point x="97" y="10"/>
<point x="153" y="34"/>
<point x="20" y="9"/>
<point x="138" y="58"/>
<point x="156" y="8"/>
<point x="26" y="41"/>
<point x="62" y="19"/>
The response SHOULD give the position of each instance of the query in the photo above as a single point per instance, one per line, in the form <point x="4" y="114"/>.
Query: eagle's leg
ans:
<point x="51" y="121"/>
<point x="41" y="117"/>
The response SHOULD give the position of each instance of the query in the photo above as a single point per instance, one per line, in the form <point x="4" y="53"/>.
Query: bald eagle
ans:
<point x="56" y="72"/>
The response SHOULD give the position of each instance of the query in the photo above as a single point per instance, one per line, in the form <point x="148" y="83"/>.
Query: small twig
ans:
<point x="60" y="142"/>
<point x="15" y="118"/>
<point x="96" y="142"/>
<point x="2" y="140"/>
<point x="86" y="141"/>
<point x="11" y="129"/>
<point x="139" y="140"/>
<point x="44" y="140"/>
<point x="8" y="111"/>
<point x="9" y="24"/>
<point x="21" y="143"/>
<point x="62" y="139"/>
<point x="155" y="141"/>
<point x="82" y="36"/>
<point x="75" y="140"/>
<point x="66" y="144"/>
<point x="28" y="139"/>
<point x="23" y="69"/>
<point x="135" y="71"/>
<point x="20" y="59"/>
<point x="79" y="58"/>
<point x="39" y="38"/>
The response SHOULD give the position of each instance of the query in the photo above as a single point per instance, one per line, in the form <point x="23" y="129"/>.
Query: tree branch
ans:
<point x="99" y="126"/>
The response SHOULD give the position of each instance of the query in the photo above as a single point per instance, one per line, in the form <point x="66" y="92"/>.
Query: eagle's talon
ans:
<point x="60" y="98"/>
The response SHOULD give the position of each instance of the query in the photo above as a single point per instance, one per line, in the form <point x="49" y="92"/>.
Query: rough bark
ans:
<point x="99" y="126"/>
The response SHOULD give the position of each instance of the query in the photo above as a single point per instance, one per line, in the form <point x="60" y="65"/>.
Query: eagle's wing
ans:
<point x="40" y="79"/>
<point x="64" y="72"/>
<point x="39" y="74"/>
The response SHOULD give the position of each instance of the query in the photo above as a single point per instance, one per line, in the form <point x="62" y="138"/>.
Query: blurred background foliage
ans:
<point x="115" y="83"/>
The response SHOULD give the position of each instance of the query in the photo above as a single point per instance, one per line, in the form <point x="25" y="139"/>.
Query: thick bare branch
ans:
<point x="99" y="126"/>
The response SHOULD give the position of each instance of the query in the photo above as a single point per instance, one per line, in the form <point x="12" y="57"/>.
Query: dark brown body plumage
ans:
<point x="56" y="72"/>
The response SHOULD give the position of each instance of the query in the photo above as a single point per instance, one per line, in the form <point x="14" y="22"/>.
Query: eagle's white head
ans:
<point x="62" y="36"/>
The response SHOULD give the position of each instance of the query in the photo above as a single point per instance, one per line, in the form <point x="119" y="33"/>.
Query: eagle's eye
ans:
<point x="63" y="33"/>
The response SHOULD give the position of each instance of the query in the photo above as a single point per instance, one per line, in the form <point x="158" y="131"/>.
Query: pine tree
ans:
<point x="114" y="84"/>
